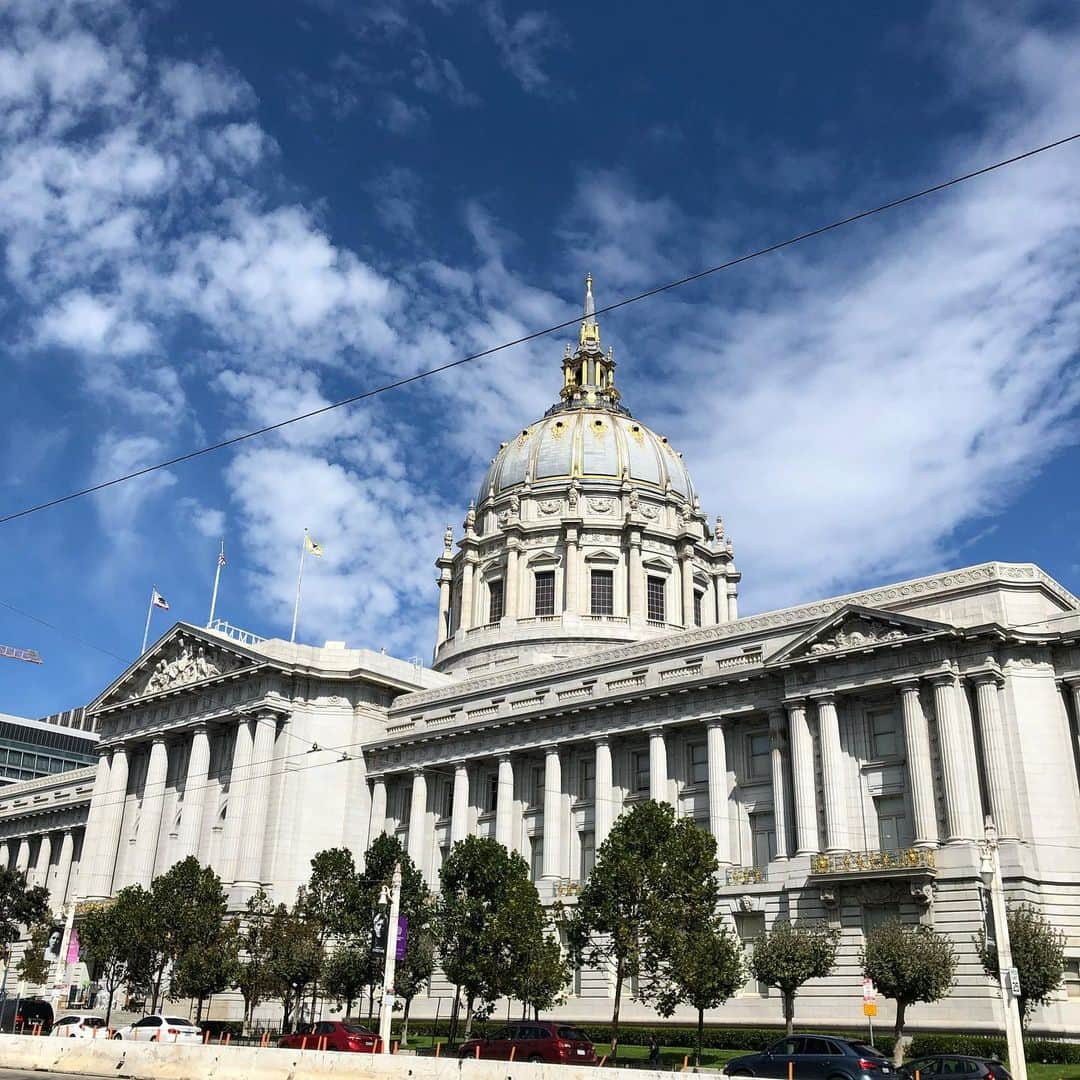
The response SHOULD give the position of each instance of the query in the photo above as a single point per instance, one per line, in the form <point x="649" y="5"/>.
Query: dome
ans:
<point x="587" y="443"/>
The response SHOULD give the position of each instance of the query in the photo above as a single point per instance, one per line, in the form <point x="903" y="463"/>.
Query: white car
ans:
<point x="160" y="1028"/>
<point x="80" y="1026"/>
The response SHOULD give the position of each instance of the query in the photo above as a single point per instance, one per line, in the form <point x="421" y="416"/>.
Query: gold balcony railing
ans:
<point x="863" y="862"/>
<point x="745" y="875"/>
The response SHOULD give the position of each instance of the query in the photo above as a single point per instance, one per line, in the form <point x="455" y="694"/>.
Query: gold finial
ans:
<point x="590" y="329"/>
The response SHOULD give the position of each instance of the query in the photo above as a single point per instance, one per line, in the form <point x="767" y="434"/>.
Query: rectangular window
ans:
<point x="657" y="609"/>
<point x="536" y="787"/>
<point x="588" y="854"/>
<point x="639" y="764"/>
<point x="405" y="802"/>
<point x="760" y="756"/>
<point x="892" y="822"/>
<point x="536" y="860"/>
<point x="446" y="800"/>
<point x="495" y="601"/>
<point x="603" y="592"/>
<point x="884" y="737"/>
<point x="750" y="926"/>
<point x="491" y="793"/>
<point x="875" y="915"/>
<point x="545" y="593"/>
<point x="763" y="838"/>
<point x="698" y="597"/>
<point x="587" y="779"/>
<point x="1072" y="976"/>
<point x="697" y="763"/>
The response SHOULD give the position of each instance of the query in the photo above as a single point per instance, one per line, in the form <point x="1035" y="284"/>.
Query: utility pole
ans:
<point x="390" y="963"/>
<point x="1008" y="983"/>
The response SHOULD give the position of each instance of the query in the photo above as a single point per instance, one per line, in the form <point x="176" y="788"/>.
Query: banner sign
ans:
<point x="402" y="942"/>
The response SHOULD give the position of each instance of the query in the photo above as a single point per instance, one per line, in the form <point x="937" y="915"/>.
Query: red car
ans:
<point x="534" y="1040"/>
<point x="332" y="1035"/>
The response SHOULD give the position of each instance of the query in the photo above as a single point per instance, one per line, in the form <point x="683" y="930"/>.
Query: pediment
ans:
<point x="854" y="628"/>
<point x="183" y="657"/>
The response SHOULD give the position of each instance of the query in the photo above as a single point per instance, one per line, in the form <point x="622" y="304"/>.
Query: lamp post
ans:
<point x="387" y="1006"/>
<point x="1008" y="983"/>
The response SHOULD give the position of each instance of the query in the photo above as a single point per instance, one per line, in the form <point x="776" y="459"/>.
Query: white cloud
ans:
<point x="523" y="43"/>
<point x="398" y="116"/>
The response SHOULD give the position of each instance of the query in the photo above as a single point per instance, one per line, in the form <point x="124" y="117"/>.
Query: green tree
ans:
<point x="345" y="975"/>
<point x="33" y="967"/>
<point x="908" y="964"/>
<point x="541" y="976"/>
<point x="252" y="976"/>
<point x="649" y="866"/>
<point x="20" y="905"/>
<point x="105" y="939"/>
<point x="293" y="957"/>
<point x="477" y="920"/>
<point x="145" y="945"/>
<point x="1038" y="954"/>
<point x="331" y="902"/>
<point x="791" y="953"/>
<point x="202" y="972"/>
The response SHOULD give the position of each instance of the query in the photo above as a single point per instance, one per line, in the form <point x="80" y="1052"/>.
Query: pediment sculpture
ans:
<point x="184" y="662"/>
<point x="853" y="633"/>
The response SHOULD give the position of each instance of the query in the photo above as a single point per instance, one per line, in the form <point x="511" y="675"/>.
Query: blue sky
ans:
<point x="213" y="216"/>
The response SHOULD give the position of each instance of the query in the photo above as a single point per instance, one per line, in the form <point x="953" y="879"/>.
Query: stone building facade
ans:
<point x="590" y="654"/>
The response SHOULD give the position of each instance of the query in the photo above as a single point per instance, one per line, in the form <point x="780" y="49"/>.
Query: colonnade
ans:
<point x="55" y="874"/>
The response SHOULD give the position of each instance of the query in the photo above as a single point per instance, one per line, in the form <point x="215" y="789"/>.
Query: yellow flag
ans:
<point x="312" y="547"/>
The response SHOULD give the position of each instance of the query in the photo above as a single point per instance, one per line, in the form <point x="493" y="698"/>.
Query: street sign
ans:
<point x="869" y="1008"/>
<point x="1014" y="981"/>
<point x="402" y="940"/>
<point x="869" y="993"/>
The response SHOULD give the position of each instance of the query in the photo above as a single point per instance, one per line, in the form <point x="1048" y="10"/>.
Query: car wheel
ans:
<point x="118" y="1036"/>
<point x="536" y="1059"/>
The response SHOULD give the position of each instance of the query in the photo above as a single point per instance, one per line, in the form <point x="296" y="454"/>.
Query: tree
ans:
<point x="105" y="939"/>
<point x="252" y="976"/>
<point x="541" y="976"/>
<point x="294" y="957"/>
<point x="345" y="975"/>
<point x="478" y="916"/>
<point x="20" y="905"/>
<point x="791" y="953"/>
<point x="331" y="901"/>
<point x="1038" y="954"/>
<point x="702" y="966"/>
<point x="648" y="867"/>
<point x="202" y="972"/>
<point x="33" y="967"/>
<point x="908" y="964"/>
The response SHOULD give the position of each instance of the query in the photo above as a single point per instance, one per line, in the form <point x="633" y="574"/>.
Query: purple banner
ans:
<point x="402" y="937"/>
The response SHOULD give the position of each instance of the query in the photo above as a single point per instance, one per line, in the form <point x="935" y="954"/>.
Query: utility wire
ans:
<point x="655" y="291"/>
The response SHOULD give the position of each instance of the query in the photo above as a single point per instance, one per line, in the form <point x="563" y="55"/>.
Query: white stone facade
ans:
<point x="842" y="753"/>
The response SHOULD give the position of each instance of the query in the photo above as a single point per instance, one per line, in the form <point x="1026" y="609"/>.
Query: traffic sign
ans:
<point x="869" y="993"/>
<point x="869" y="1008"/>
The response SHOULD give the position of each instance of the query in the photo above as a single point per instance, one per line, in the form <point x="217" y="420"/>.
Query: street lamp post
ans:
<point x="1008" y="984"/>
<point x="387" y="1006"/>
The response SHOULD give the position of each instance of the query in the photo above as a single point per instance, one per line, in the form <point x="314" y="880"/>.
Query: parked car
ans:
<point x="534" y="1040"/>
<point x="814" y="1057"/>
<point x="339" y="1035"/>
<point x="80" y="1026"/>
<point x="953" y="1067"/>
<point x="160" y="1028"/>
<point x="18" y="1014"/>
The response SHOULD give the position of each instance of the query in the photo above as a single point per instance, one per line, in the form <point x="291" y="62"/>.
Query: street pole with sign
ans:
<point x="390" y="962"/>
<point x="1008" y="980"/>
<point x="869" y="1004"/>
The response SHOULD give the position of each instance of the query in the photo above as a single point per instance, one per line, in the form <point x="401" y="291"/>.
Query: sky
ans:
<point x="214" y="216"/>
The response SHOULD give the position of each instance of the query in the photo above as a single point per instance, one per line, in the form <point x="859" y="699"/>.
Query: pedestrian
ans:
<point x="654" y="1051"/>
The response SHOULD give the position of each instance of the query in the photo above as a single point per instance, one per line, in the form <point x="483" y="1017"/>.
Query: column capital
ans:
<point x="506" y="755"/>
<point x="716" y="722"/>
<point x="795" y="704"/>
<point x="601" y="740"/>
<point x="655" y="731"/>
<point x="1071" y="681"/>
<point x="551" y="748"/>
<point x="416" y="770"/>
<point x="981" y="678"/>
<point x="825" y="697"/>
<point x="943" y="678"/>
<point x="907" y="683"/>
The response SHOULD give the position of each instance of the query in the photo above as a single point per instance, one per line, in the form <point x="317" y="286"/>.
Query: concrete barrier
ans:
<point x="151" y="1061"/>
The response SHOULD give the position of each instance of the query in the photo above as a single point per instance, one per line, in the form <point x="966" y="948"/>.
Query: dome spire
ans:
<point x="589" y="375"/>
<point x="590" y="328"/>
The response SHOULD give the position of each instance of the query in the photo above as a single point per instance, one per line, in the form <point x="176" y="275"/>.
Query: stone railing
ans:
<point x="245" y="637"/>
<point x="746" y="875"/>
<point x="873" y="862"/>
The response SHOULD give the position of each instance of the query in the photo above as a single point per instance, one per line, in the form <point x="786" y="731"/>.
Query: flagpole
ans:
<point x="299" y="579"/>
<point x="217" y="578"/>
<point x="149" y="612"/>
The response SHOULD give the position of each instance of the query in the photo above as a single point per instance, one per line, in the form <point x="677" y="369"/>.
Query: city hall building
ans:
<point x="590" y="654"/>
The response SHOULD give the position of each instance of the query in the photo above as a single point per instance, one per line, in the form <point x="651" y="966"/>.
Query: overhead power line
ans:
<point x="655" y="291"/>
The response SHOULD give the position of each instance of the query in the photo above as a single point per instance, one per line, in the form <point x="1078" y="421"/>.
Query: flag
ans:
<point x="221" y="558"/>
<point x="312" y="547"/>
<point x="159" y="601"/>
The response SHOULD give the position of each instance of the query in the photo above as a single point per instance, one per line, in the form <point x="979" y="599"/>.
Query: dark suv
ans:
<point x="534" y="1040"/>
<point x="23" y="1014"/>
<point x="953" y="1067"/>
<point x="814" y="1057"/>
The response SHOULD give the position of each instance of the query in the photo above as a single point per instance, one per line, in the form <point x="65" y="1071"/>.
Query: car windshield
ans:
<point x="355" y="1029"/>
<point x="574" y="1034"/>
<point x="177" y="1020"/>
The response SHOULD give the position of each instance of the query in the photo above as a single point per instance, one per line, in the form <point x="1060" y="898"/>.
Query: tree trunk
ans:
<point x="348" y="1007"/>
<point x="455" y="1009"/>
<point x="405" y="1022"/>
<point x="198" y="1009"/>
<point x="108" y="1007"/>
<point x="789" y="1010"/>
<point x="898" y="1032"/>
<point x="700" y="1036"/>
<point x="615" y="1011"/>
<point x="371" y="1003"/>
<point x="468" y="1015"/>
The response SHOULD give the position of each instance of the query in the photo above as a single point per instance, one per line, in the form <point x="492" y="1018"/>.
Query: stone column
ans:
<point x="110" y="823"/>
<point x="956" y="758"/>
<point x="153" y="801"/>
<point x="686" y="573"/>
<point x="257" y="802"/>
<point x="239" y="775"/>
<point x="5" y="855"/>
<point x="837" y="837"/>
<point x="571" y="570"/>
<point x="658" y="774"/>
<point x="1074" y="690"/>
<point x="719" y="824"/>
<point x="22" y="859"/>
<point x="44" y="857"/>
<point x="58" y="891"/>
<point x="465" y="620"/>
<point x="996" y="755"/>
<point x="732" y="601"/>
<point x="777" y="732"/>
<point x="459" y="812"/>
<point x="94" y="816"/>
<point x="510" y="594"/>
<point x="418" y="821"/>
<point x="917" y="750"/>
<point x="637" y="581"/>
<point x="504" y="803"/>
<point x="603" y="806"/>
<point x="378" y="808"/>
<point x="442" y="631"/>
<point x="195" y="783"/>
<point x="552" y="813"/>
<point x="804" y="785"/>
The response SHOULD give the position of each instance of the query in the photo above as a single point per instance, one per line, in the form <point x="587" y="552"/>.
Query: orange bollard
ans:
<point x="394" y="1051"/>
<point x="206" y="1037"/>
<point x="513" y="1051"/>
<point x="791" y="1071"/>
<point x="602" y="1060"/>
<point x="265" y="1040"/>
<point x="438" y="1049"/>
<point x="477" y="1051"/>
<point x="228" y="1037"/>
<point x="685" y="1062"/>
<point x="917" y="1074"/>
<point x="94" y="1036"/>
